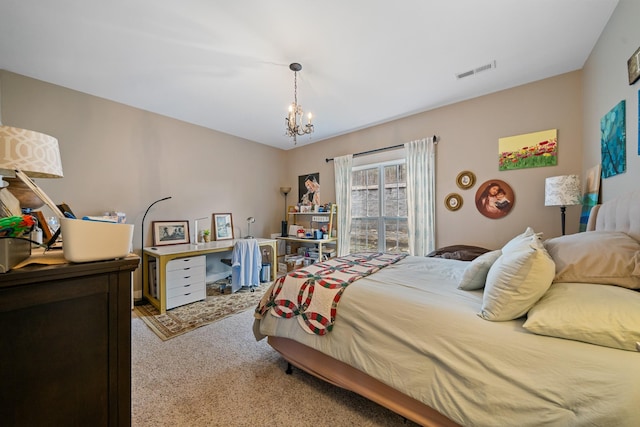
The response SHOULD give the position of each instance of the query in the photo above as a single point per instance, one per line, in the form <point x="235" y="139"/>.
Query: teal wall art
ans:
<point x="613" y="141"/>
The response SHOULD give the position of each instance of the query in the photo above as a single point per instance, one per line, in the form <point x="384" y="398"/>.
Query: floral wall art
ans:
<point x="530" y="150"/>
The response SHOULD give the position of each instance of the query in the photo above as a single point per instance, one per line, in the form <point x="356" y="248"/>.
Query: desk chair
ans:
<point x="245" y="262"/>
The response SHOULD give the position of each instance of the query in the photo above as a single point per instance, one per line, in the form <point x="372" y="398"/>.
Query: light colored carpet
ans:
<point x="218" y="375"/>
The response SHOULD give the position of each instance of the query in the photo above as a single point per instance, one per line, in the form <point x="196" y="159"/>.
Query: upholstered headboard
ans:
<point x="619" y="214"/>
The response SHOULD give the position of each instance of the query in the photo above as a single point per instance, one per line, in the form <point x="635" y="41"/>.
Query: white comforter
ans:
<point x="411" y="328"/>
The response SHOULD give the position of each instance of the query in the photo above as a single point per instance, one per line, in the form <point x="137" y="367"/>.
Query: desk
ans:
<point x="164" y="254"/>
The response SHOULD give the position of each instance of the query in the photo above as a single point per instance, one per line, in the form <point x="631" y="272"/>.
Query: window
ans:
<point x="379" y="219"/>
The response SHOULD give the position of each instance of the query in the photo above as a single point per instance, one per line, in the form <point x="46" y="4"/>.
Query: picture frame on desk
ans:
<point x="170" y="232"/>
<point x="222" y="226"/>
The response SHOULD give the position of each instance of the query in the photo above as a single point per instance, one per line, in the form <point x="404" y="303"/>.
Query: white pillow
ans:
<point x="517" y="280"/>
<point x="603" y="315"/>
<point x="526" y="236"/>
<point x="475" y="274"/>
<point x="604" y="257"/>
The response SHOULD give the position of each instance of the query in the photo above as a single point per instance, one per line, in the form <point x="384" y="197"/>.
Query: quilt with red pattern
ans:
<point x="311" y="294"/>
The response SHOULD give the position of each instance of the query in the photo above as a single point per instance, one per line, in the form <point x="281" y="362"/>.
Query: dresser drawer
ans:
<point x="178" y="278"/>
<point x="189" y="262"/>
<point x="198" y="287"/>
<point x="188" y="298"/>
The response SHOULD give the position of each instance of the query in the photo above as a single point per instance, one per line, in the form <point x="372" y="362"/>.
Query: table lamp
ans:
<point x="250" y="221"/>
<point x="26" y="154"/>
<point x="562" y="191"/>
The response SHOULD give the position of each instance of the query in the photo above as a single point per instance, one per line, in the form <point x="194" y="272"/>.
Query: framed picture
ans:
<point x="633" y="67"/>
<point x="613" y="141"/>
<point x="309" y="189"/>
<point x="495" y="199"/>
<point x="531" y="150"/>
<point x="170" y="232"/>
<point x="222" y="226"/>
<point x="453" y="202"/>
<point x="466" y="180"/>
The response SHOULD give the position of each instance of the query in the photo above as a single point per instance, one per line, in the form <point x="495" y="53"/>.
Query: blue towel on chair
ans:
<point x="246" y="263"/>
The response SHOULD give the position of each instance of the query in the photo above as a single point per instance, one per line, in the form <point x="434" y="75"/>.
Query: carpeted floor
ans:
<point x="219" y="375"/>
<point x="188" y="317"/>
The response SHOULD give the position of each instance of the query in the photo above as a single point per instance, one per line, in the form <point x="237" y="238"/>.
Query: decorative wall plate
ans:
<point x="466" y="179"/>
<point x="495" y="199"/>
<point x="453" y="202"/>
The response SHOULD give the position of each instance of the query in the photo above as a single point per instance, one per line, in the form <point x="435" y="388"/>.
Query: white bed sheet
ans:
<point x="411" y="328"/>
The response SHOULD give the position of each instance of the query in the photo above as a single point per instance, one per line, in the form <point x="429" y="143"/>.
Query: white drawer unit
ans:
<point x="172" y="270"/>
<point x="186" y="280"/>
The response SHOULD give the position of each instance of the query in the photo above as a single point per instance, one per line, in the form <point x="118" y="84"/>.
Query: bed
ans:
<point x="539" y="332"/>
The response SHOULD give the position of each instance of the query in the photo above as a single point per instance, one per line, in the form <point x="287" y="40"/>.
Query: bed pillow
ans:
<point x="459" y="252"/>
<point x="602" y="315"/>
<point x="526" y="236"/>
<point x="517" y="280"/>
<point x="604" y="257"/>
<point x="475" y="275"/>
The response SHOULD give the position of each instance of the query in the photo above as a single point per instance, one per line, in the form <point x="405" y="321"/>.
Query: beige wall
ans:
<point x="606" y="83"/>
<point x="468" y="134"/>
<point x="120" y="158"/>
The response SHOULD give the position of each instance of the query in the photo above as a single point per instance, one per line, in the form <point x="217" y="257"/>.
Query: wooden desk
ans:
<point x="164" y="254"/>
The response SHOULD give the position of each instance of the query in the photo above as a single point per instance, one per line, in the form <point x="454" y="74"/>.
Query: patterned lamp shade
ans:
<point x="34" y="153"/>
<point x="562" y="191"/>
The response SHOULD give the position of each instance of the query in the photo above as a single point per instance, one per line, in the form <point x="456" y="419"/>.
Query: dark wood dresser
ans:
<point x="65" y="344"/>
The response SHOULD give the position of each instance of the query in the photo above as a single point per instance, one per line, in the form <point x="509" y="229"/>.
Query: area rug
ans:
<point x="216" y="306"/>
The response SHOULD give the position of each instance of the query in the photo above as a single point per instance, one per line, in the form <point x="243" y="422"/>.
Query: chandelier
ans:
<point x="295" y="118"/>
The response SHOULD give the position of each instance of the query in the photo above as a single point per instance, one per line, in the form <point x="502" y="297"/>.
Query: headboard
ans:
<point x="619" y="214"/>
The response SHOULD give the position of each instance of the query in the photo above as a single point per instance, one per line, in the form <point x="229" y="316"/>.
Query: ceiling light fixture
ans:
<point x="294" y="120"/>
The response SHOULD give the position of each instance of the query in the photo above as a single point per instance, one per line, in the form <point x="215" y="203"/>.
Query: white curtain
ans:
<point x="421" y="195"/>
<point x="342" y="167"/>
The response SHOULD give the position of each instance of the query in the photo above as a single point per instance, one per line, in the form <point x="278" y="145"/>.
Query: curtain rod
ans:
<point x="393" y="147"/>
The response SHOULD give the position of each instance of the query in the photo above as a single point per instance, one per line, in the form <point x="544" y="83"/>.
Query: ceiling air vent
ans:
<point x="476" y="70"/>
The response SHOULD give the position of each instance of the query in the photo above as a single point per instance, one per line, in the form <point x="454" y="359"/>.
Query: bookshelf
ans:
<point x="318" y="248"/>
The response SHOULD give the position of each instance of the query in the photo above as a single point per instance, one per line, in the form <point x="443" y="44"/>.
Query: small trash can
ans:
<point x="265" y="273"/>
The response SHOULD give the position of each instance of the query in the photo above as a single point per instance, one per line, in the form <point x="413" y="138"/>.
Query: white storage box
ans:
<point x="84" y="241"/>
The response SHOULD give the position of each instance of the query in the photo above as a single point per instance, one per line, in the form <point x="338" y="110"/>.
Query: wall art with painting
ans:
<point x="530" y="150"/>
<point x="613" y="141"/>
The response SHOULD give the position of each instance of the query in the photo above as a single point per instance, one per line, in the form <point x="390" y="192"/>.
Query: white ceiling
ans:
<point x="224" y="65"/>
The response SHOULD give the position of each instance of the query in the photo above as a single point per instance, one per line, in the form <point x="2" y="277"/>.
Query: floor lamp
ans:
<point x="284" y="231"/>
<point x="562" y="191"/>
<point x="144" y="267"/>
